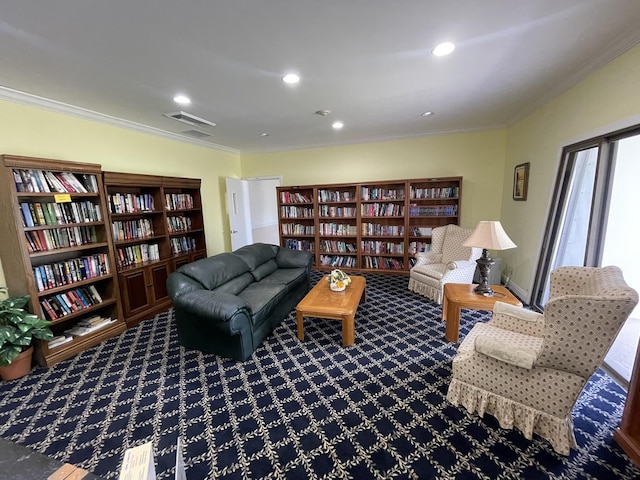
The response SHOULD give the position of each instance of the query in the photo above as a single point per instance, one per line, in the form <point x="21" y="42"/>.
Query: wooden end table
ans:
<point x="322" y="302"/>
<point x="461" y="295"/>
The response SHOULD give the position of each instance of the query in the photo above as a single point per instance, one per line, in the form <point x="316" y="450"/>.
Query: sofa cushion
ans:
<point x="236" y="285"/>
<point x="264" y="270"/>
<point x="287" y="276"/>
<point x="256" y="254"/>
<point x="263" y="299"/>
<point x="288" y="258"/>
<point x="214" y="271"/>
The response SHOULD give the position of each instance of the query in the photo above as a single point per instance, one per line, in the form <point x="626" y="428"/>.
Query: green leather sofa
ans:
<point x="229" y="303"/>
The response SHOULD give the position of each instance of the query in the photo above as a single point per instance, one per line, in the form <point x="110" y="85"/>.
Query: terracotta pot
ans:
<point x="19" y="367"/>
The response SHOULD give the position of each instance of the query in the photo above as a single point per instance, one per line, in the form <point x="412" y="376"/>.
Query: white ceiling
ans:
<point x="367" y="61"/>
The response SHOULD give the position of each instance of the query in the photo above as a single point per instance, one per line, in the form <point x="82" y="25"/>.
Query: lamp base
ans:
<point x="484" y="265"/>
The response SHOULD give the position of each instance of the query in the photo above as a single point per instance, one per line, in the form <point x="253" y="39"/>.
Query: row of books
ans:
<point x="381" y="209"/>
<point x="132" y="229"/>
<point x="49" y="213"/>
<point x="417" y="247"/>
<point x="330" y="211"/>
<point x="336" y="196"/>
<point x="378" y="247"/>
<point x="137" y="254"/>
<point x="182" y="245"/>
<point x="338" y="229"/>
<point x="130" y="202"/>
<point x="377" y="229"/>
<point x="295" y="212"/>
<point x="83" y="327"/>
<point x="72" y="301"/>
<point x="56" y="238"/>
<point x="439" y="211"/>
<point x="178" y="224"/>
<point x="338" y="261"/>
<point x="59" y="274"/>
<point x="420" y="231"/>
<point x="434" y="192"/>
<point x="376" y="193"/>
<point x="297" y="229"/>
<point x="294" y="197"/>
<point x="382" y="263"/>
<point x="179" y="201"/>
<point x="294" y="244"/>
<point x="41" y="181"/>
<point x="336" y="246"/>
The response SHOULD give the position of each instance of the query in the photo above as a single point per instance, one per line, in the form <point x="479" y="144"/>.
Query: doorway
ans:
<point x="589" y="224"/>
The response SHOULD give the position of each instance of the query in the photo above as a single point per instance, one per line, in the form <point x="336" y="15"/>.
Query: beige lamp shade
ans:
<point x="490" y="235"/>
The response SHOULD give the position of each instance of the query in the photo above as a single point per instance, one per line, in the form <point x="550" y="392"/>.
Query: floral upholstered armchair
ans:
<point x="448" y="261"/>
<point x="527" y="369"/>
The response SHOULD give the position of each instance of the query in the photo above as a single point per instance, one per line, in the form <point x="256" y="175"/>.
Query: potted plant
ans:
<point x="17" y="329"/>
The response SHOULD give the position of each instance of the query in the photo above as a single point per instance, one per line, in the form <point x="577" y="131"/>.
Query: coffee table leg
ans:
<point x="299" y="319"/>
<point x="348" y="331"/>
<point x="453" y="321"/>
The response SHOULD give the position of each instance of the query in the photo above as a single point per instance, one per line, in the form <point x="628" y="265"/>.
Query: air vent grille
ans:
<point x="189" y="119"/>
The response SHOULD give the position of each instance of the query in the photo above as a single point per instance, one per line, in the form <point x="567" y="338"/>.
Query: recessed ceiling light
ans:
<point x="182" y="99"/>
<point x="291" y="78"/>
<point x="337" y="125"/>
<point x="443" y="49"/>
<point x="427" y="114"/>
<point x="264" y="134"/>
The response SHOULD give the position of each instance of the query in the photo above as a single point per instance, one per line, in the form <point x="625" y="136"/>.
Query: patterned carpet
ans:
<point x="312" y="410"/>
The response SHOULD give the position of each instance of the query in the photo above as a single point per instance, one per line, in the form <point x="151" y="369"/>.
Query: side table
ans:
<point x="461" y="295"/>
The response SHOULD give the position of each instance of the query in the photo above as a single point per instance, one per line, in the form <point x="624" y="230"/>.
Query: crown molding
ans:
<point x="28" y="99"/>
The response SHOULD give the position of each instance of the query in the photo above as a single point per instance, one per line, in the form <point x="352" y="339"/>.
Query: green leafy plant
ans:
<point x="18" y="327"/>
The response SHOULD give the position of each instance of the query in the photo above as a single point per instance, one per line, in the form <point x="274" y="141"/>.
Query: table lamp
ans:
<point x="488" y="235"/>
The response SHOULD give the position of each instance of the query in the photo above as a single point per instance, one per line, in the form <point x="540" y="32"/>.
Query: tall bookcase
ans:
<point x="367" y="227"/>
<point x="156" y="226"/>
<point x="56" y="247"/>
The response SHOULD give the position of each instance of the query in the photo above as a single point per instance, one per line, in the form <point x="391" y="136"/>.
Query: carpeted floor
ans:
<point x="298" y="410"/>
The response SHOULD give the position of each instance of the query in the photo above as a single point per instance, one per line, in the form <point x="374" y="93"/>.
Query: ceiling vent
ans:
<point x="196" y="134"/>
<point x="185" y="117"/>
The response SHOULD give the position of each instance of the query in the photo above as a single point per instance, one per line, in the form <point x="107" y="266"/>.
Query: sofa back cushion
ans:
<point x="236" y="285"/>
<point x="214" y="271"/>
<point x="256" y="256"/>
<point x="264" y="270"/>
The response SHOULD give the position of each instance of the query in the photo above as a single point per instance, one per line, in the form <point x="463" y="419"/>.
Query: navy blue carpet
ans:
<point x="312" y="410"/>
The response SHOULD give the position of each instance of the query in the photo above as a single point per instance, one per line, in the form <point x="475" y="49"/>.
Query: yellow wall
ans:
<point x="478" y="157"/>
<point x="607" y="100"/>
<point x="40" y="133"/>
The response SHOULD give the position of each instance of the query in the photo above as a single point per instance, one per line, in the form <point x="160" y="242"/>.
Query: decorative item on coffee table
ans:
<point x="338" y="280"/>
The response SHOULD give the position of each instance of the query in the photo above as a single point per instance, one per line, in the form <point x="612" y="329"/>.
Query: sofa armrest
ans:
<point x="288" y="258"/>
<point x="517" y="319"/>
<point x="178" y="283"/>
<point x="219" y="307"/>
<point x="459" y="264"/>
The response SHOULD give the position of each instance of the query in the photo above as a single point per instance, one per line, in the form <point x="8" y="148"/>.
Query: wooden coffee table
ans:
<point x="461" y="295"/>
<point x="322" y="302"/>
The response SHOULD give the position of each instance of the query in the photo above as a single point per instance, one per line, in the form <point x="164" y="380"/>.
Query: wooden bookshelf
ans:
<point x="56" y="247"/>
<point x="156" y="226"/>
<point x="370" y="226"/>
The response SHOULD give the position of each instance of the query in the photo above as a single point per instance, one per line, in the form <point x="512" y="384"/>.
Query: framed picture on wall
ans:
<point x="520" y="181"/>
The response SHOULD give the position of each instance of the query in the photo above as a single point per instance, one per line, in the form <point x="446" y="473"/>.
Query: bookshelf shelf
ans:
<point x="398" y="213"/>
